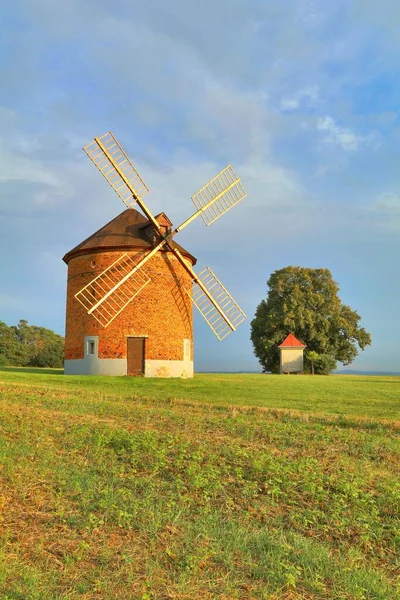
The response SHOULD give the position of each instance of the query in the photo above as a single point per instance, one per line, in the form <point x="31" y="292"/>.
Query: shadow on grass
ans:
<point x="34" y="370"/>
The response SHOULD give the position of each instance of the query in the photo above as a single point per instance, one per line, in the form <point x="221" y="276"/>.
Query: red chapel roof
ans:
<point x="291" y="342"/>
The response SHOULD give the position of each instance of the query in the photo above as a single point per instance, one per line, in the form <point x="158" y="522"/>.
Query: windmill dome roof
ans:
<point x="125" y="232"/>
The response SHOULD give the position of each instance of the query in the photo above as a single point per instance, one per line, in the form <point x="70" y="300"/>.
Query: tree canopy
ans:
<point x="29" y="345"/>
<point x="305" y="302"/>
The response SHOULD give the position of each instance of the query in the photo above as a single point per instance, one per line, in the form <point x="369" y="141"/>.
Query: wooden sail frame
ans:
<point x="220" y="297"/>
<point x="106" y="296"/>
<point x="113" y="163"/>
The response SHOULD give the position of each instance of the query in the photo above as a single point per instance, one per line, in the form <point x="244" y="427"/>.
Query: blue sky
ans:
<point x="301" y="96"/>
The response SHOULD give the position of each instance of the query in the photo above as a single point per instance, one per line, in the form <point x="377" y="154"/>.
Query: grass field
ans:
<point x="224" y="486"/>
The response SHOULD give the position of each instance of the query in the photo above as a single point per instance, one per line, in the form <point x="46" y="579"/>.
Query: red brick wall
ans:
<point x="162" y="311"/>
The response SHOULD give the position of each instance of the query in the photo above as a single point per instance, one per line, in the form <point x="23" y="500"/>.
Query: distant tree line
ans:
<point x="25" y="345"/>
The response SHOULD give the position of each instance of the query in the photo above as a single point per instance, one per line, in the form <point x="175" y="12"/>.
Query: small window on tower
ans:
<point x="91" y="346"/>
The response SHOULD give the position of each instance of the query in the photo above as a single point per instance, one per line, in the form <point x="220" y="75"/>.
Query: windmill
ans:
<point x="112" y="291"/>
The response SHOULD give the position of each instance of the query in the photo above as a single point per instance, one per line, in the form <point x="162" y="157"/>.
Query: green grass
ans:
<point x="221" y="487"/>
<point x="375" y="397"/>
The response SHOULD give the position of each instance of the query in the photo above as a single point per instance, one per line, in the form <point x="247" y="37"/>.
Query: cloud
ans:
<point x="29" y="183"/>
<point x="385" y="211"/>
<point x="307" y="96"/>
<point x="390" y="203"/>
<point x="16" y="167"/>
<point x="384" y="17"/>
<point x="345" y="138"/>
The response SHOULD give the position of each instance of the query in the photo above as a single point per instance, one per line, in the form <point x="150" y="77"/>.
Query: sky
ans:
<point x="301" y="96"/>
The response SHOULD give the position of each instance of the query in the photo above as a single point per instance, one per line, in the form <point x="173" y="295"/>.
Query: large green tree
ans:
<point x="305" y="302"/>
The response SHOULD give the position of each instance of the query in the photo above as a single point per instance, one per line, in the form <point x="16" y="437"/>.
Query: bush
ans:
<point x="50" y="356"/>
<point x="324" y="364"/>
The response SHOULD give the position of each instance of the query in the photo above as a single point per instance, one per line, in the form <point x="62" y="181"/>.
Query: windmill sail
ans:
<point x="110" y="292"/>
<point x="221" y="313"/>
<point x="219" y="195"/>
<point x="112" y="162"/>
<point x="106" y="296"/>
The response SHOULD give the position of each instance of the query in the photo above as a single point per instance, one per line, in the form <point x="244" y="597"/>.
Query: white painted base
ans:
<point x="91" y="365"/>
<point x="168" y="368"/>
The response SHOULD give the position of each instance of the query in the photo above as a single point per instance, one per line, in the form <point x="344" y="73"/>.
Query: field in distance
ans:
<point x="221" y="487"/>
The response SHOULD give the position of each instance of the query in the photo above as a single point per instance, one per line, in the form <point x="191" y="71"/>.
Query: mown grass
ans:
<point x="227" y="486"/>
<point x="336" y="395"/>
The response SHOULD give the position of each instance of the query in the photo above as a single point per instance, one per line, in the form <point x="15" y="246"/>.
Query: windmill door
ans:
<point x="135" y="356"/>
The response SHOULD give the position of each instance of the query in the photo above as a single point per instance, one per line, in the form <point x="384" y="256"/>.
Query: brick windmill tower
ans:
<point x="131" y="286"/>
